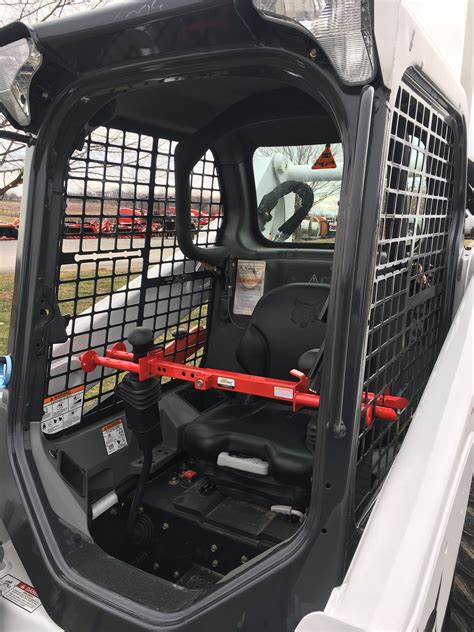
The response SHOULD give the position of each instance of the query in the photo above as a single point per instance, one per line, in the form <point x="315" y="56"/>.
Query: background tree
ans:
<point x="30" y="12"/>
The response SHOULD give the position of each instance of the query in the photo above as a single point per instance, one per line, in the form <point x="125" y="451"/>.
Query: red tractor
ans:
<point x="81" y="226"/>
<point x="198" y="218"/>
<point x="9" y="230"/>
<point x="131" y="220"/>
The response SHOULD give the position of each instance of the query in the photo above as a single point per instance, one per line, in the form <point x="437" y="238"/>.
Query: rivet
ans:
<point x="313" y="53"/>
<point x="213" y="548"/>
<point x="165" y="526"/>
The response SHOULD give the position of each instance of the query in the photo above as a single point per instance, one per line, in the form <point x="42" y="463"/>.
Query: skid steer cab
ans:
<point x="239" y="259"/>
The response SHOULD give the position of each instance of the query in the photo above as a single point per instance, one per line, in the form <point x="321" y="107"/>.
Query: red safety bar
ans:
<point x="155" y="364"/>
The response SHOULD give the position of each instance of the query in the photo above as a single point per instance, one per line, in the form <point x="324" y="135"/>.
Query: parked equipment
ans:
<point x="9" y="230"/>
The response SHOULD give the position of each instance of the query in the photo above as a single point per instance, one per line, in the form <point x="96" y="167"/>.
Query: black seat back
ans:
<point x="285" y="323"/>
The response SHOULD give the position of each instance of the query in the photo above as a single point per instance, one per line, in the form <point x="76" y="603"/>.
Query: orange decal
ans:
<point x="325" y="160"/>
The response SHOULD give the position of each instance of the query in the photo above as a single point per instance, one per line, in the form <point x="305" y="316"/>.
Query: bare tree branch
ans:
<point x="31" y="11"/>
<point x="18" y="179"/>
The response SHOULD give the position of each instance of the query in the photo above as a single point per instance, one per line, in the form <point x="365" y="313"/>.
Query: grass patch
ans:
<point x="6" y="293"/>
<point x="85" y="292"/>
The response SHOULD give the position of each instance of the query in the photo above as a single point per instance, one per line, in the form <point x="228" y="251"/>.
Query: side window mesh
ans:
<point x="410" y="292"/>
<point x="119" y="264"/>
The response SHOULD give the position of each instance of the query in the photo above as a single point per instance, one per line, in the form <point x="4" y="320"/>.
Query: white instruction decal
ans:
<point x="281" y="391"/>
<point x="114" y="436"/>
<point x="19" y="593"/>
<point x="248" y="286"/>
<point x="62" y="410"/>
<point x="226" y="382"/>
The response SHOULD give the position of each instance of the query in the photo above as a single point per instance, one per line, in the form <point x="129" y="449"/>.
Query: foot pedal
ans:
<point x="244" y="463"/>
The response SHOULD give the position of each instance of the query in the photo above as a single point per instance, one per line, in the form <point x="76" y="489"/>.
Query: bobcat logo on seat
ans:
<point x="303" y="314"/>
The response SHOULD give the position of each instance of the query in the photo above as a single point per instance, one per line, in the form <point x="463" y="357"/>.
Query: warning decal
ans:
<point x="62" y="410"/>
<point x="114" y="436"/>
<point x="325" y="160"/>
<point x="19" y="593"/>
<point x="248" y="286"/>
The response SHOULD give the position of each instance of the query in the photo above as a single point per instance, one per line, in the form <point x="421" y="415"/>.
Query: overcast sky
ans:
<point x="443" y="21"/>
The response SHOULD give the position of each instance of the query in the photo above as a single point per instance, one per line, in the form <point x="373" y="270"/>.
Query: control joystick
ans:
<point x="141" y="398"/>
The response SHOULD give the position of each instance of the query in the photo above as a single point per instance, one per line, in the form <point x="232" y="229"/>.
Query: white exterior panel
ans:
<point x="402" y="43"/>
<point x="14" y="617"/>
<point x="401" y="573"/>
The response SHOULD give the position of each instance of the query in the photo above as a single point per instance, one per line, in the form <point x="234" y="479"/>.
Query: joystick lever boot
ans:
<point x="141" y="398"/>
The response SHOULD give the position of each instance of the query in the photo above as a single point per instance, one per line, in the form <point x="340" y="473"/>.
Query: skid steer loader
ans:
<point x="242" y="422"/>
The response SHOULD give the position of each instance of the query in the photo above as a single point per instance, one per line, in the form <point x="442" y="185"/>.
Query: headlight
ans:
<point x="18" y="63"/>
<point x="341" y="27"/>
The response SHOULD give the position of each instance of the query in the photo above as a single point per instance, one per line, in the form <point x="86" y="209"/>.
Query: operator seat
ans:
<point x="285" y="324"/>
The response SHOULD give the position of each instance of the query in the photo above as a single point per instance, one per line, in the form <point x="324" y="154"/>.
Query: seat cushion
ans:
<point x="266" y="429"/>
<point x="286" y="323"/>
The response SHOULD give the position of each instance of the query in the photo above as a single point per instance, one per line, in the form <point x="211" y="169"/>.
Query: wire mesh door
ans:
<point x="410" y="293"/>
<point x="119" y="263"/>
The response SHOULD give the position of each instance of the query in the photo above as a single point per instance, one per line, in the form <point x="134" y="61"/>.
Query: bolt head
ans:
<point x="114" y="511"/>
<point x="213" y="548"/>
<point x="140" y="510"/>
<point x="176" y="574"/>
<point x="313" y="53"/>
<point x="244" y="559"/>
<point x="215" y="563"/>
<point x="156" y="566"/>
<point x="165" y="526"/>
<point x="199" y="383"/>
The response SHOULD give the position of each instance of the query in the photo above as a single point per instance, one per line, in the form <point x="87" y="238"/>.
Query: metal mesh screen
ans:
<point x="410" y="292"/>
<point x="119" y="264"/>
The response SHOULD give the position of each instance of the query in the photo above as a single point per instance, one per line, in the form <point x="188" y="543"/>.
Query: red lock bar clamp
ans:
<point x="156" y="364"/>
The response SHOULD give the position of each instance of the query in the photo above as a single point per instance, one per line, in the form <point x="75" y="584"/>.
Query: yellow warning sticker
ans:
<point x="62" y="410"/>
<point x="325" y="160"/>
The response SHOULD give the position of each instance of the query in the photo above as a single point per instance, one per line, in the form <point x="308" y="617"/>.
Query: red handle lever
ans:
<point x="156" y="364"/>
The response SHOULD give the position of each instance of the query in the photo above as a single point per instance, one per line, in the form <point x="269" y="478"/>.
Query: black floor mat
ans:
<point x="241" y="516"/>
<point x="197" y="533"/>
